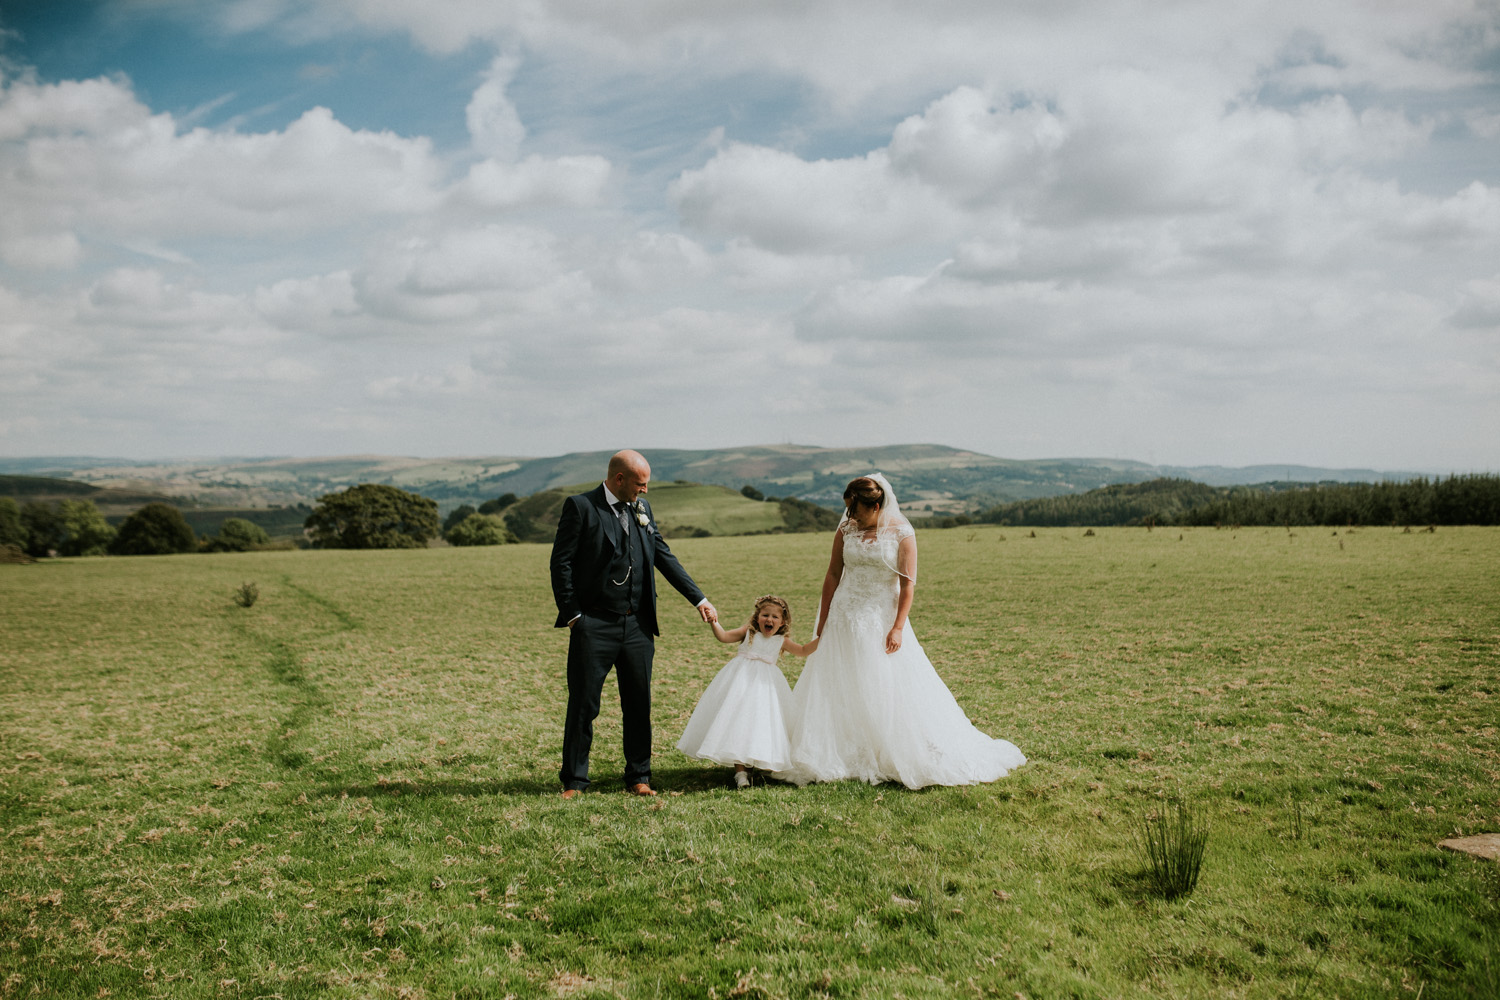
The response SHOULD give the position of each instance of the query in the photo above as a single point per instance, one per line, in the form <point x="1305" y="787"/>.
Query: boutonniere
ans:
<point x="641" y="517"/>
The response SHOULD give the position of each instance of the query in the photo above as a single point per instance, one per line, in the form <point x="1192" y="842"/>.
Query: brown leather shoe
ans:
<point x="640" y="789"/>
<point x="571" y="793"/>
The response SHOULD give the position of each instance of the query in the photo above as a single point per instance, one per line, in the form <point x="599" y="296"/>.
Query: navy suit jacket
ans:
<point x="588" y="536"/>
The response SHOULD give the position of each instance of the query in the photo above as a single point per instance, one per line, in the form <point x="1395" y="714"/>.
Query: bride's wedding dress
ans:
<point x="859" y="712"/>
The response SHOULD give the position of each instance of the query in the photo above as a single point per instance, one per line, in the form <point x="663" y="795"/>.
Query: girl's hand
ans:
<point x="893" y="640"/>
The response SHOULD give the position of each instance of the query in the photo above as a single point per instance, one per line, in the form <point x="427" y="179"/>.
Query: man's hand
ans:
<point x="707" y="611"/>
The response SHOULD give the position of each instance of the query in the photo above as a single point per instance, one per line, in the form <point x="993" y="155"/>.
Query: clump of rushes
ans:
<point x="1171" y="842"/>
<point x="246" y="594"/>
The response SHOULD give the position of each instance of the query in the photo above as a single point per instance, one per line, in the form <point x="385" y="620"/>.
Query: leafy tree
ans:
<point x="237" y="535"/>
<point x="498" y="504"/>
<point x="527" y="529"/>
<point x="457" y="516"/>
<point x="43" y="527"/>
<point x="752" y="492"/>
<point x="154" y="530"/>
<point x="11" y="532"/>
<point x="803" y="515"/>
<point x="86" y="531"/>
<point x="480" y="529"/>
<point x="373" y="516"/>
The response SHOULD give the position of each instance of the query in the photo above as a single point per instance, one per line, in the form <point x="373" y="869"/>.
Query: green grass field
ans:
<point x="680" y="509"/>
<point x="715" y="509"/>
<point x="349" y="789"/>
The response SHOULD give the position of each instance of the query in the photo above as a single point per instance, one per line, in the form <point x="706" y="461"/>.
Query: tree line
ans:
<point x="42" y="528"/>
<point x="1467" y="499"/>
<point x="1157" y="501"/>
<point x="368" y="516"/>
<point x="1471" y="499"/>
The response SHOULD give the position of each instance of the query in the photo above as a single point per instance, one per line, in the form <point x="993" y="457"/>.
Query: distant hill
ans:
<point x="681" y="509"/>
<point x="24" y="488"/>
<point x="117" y="504"/>
<point x="929" y="478"/>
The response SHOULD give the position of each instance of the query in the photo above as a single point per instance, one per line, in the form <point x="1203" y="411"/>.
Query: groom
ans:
<point x="607" y="546"/>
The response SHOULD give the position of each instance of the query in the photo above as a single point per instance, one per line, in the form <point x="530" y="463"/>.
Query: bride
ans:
<point x="869" y="705"/>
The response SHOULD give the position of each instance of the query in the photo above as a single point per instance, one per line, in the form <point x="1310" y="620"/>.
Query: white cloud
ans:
<point x="307" y="304"/>
<point x="494" y="125"/>
<point x="973" y="151"/>
<point x="458" y="380"/>
<point x="82" y="162"/>
<point x="783" y="203"/>
<point x="470" y="276"/>
<point x="560" y="181"/>
<point x="858" y="51"/>
<point x="1479" y="307"/>
<point x="653" y="261"/>
<point x="1040" y="229"/>
<point x="291" y="370"/>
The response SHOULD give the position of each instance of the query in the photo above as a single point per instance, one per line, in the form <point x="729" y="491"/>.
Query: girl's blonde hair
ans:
<point x="786" y="613"/>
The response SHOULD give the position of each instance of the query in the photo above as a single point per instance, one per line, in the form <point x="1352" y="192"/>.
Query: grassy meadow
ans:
<point x="717" y="510"/>
<point x="349" y="789"/>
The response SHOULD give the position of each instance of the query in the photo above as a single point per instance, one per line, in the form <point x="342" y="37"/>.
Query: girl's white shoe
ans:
<point x="742" y="779"/>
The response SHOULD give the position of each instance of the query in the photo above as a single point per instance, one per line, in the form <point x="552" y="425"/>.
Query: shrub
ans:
<point x="237" y="535"/>
<point x="456" y="517"/>
<point x="751" y="492"/>
<point x="42" y="526"/>
<point x="802" y="515"/>
<point x="154" y="530"/>
<point x="524" y="528"/>
<point x="498" y="504"/>
<point x="480" y="529"/>
<point x="246" y="594"/>
<point x="373" y="516"/>
<point x="10" y="524"/>
<point x="85" y="531"/>
<point x="66" y="528"/>
<point x="1171" y="841"/>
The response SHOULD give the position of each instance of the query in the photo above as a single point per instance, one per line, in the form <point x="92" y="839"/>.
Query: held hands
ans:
<point x="709" y="614"/>
<point x="893" y="639"/>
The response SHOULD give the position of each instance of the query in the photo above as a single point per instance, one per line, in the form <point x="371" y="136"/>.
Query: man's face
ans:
<point x="630" y="484"/>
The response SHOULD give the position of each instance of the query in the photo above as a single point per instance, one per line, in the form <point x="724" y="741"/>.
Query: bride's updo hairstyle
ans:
<point x="774" y="601"/>
<point x="864" y="492"/>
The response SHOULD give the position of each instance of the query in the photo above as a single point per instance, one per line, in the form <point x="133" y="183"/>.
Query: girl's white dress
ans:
<point x="741" y="718"/>
<point x="861" y="713"/>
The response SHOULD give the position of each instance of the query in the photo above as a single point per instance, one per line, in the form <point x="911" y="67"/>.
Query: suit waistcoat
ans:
<point x="627" y="570"/>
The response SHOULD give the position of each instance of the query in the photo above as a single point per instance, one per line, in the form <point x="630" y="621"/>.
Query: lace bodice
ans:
<point x="758" y="647"/>
<point x="869" y="587"/>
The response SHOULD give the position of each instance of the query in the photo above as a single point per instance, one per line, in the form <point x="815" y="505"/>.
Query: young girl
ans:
<point x="741" y="718"/>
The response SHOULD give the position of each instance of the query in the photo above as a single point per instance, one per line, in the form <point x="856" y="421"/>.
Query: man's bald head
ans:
<point x="629" y="474"/>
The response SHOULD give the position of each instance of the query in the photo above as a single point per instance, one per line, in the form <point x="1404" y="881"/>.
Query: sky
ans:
<point x="1183" y="233"/>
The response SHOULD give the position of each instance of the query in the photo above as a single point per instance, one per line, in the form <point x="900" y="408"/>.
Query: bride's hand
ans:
<point x="893" y="640"/>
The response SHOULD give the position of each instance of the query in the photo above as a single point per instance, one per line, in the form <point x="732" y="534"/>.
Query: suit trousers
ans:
<point x="597" y="642"/>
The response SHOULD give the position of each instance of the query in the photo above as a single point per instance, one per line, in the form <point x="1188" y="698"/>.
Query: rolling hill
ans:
<point x="929" y="478"/>
<point x="117" y="503"/>
<point x="682" y="509"/>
